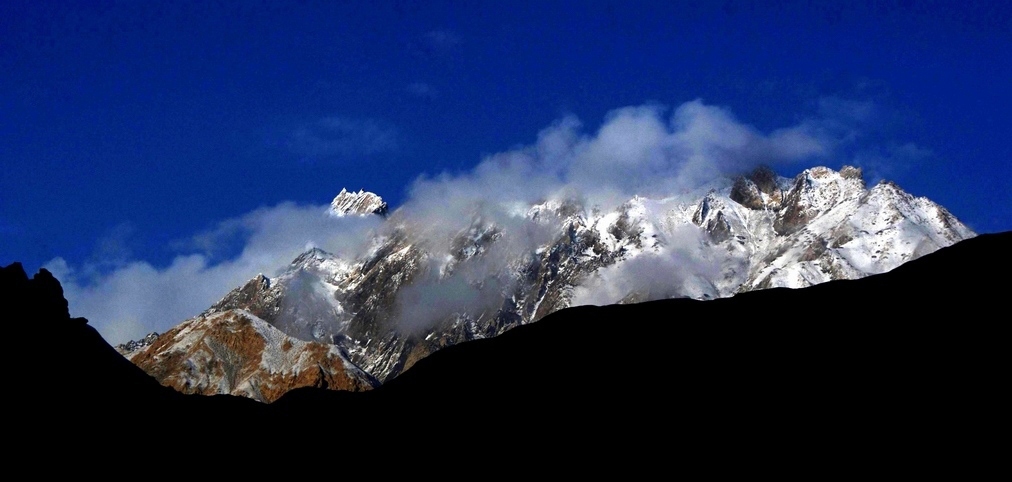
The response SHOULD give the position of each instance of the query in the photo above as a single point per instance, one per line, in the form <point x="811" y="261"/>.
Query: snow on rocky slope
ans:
<point x="377" y="315"/>
<point x="357" y="203"/>
<point x="235" y="352"/>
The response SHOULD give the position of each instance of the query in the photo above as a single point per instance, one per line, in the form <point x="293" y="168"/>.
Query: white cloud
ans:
<point x="684" y="268"/>
<point x="885" y="162"/>
<point x="637" y="150"/>
<point x="137" y="297"/>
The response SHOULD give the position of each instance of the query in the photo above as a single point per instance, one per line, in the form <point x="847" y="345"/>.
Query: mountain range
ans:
<point x="355" y="324"/>
<point x="899" y="371"/>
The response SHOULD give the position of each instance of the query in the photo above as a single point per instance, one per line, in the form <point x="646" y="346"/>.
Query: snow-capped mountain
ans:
<point x="378" y="314"/>
<point x="235" y="352"/>
<point x="361" y="203"/>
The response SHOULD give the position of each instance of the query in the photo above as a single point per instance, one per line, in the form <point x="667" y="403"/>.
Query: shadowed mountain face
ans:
<point x="907" y="361"/>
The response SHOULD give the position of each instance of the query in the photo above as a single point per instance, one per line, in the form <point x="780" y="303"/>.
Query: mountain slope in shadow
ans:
<point x="914" y="359"/>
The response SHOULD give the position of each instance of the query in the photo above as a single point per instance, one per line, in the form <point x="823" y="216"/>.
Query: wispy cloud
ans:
<point x="683" y="270"/>
<point x="332" y="137"/>
<point x="114" y="246"/>
<point x="137" y="297"/>
<point x="647" y="150"/>
<point x="890" y="160"/>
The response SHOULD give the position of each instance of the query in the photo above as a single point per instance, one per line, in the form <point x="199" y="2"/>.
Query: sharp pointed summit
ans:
<point x="360" y="203"/>
<point x="406" y="298"/>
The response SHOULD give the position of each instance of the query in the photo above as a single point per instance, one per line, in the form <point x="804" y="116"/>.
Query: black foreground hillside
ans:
<point x="914" y="358"/>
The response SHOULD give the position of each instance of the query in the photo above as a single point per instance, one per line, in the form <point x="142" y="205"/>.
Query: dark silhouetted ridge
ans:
<point x="908" y="367"/>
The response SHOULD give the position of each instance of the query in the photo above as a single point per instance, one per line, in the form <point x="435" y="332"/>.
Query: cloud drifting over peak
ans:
<point x="643" y="150"/>
<point x="639" y="150"/>
<point x="137" y="298"/>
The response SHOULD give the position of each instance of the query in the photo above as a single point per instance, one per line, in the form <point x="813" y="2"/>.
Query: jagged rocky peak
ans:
<point x="242" y="296"/>
<point x="312" y="257"/>
<point x="361" y="203"/>
<point x="235" y="352"/>
<point x="764" y="189"/>
<point x="760" y="189"/>
<point x="799" y="200"/>
<point x="764" y="231"/>
<point x="851" y="172"/>
<point x="709" y="205"/>
<point x="131" y="347"/>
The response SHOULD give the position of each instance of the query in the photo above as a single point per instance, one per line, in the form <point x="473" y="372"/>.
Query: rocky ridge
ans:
<point x="756" y="231"/>
<point x="235" y="352"/>
<point x="897" y="376"/>
<point x="361" y="203"/>
<point x="129" y="348"/>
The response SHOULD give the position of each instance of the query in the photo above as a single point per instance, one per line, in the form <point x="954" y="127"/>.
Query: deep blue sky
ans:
<point x="138" y="124"/>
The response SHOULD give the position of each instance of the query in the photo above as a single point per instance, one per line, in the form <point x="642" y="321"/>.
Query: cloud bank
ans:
<point x="137" y="298"/>
<point x="644" y="150"/>
<point x="647" y="150"/>
<point x="637" y="150"/>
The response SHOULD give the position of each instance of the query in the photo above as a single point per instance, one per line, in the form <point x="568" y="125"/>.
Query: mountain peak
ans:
<point x="312" y="256"/>
<point x="362" y="203"/>
<point x="851" y="172"/>
<point x="386" y="309"/>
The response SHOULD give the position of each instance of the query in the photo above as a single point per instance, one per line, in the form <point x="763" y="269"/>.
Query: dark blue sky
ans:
<point x="128" y="126"/>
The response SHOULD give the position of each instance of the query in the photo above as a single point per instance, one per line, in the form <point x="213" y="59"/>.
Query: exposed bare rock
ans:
<point x="760" y="189"/>
<point x="375" y="313"/>
<point x="795" y="212"/>
<point x="360" y="203"/>
<point x="765" y="180"/>
<point x="131" y="347"/>
<point x="746" y="193"/>
<point x="851" y="172"/>
<point x="234" y="352"/>
<point x="250" y="296"/>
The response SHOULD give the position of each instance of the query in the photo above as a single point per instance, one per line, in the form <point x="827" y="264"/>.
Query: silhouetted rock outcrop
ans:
<point x="908" y="363"/>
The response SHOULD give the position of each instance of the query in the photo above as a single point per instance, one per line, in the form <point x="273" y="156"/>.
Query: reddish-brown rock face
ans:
<point x="237" y="353"/>
<point x="351" y="323"/>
